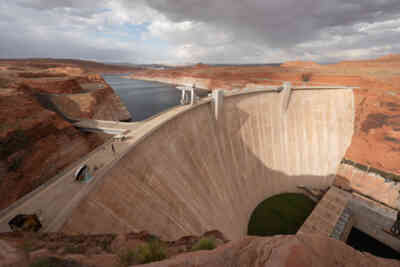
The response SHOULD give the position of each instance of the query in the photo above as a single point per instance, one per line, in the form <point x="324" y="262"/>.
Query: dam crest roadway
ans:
<point x="205" y="166"/>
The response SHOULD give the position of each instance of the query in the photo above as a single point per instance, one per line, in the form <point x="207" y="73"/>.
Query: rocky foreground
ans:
<point x="106" y="250"/>
<point x="38" y="98"/>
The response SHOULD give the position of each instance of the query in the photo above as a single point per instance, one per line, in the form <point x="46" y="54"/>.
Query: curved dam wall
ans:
<point x="195" y="173"/>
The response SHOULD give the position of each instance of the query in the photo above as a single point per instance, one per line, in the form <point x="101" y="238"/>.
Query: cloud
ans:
<point x="52" y="4"/>
<point x="69" y="32"/>
<point x="262" y="31"/>
<point x="282" y="23"/>
<point x="181" y="31"/>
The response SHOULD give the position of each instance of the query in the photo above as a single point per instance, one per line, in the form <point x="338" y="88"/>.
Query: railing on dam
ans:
<point x="108" y="127"/>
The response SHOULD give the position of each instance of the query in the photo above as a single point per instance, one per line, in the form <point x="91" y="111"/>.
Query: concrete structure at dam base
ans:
<point x="207" y="166"/>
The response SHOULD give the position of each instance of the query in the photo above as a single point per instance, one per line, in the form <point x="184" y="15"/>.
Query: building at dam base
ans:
<point x="192" y="173"/>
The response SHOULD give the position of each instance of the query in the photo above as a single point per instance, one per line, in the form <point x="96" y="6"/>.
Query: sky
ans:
<point x="207" y="31"/>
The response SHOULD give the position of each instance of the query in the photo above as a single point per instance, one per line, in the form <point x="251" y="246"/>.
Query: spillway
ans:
<point x="195" y="173"/>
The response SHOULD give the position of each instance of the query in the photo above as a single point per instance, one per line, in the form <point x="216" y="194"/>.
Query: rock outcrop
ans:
<point x="376" y="140"/>
<point x="280" y="251"/>
<point x="36" y="100"/>
<point x="22" y="249"/>
<point x="67" y="85"/>
<point x="300" y="64"/>
<point x="110" y="250"/>
<point x="35" y="144"/>
<point x="67" y="70"/>
<point x="96" y="100"/>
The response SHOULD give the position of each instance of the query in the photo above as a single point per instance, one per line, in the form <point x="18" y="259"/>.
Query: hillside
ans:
<point x="36" y="139"/>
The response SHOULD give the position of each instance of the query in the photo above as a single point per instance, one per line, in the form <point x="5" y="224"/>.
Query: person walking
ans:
<point x="113" y="148"/>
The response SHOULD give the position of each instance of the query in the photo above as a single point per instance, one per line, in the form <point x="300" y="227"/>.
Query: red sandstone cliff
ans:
<point x="95" y="100"/>
<point x="300" y="64"/>
<point x="36" y="142"/>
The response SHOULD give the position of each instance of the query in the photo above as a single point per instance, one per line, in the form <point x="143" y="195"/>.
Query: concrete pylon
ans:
<point x="192" y="96"/>
<point x="185" y="97"/>
<point x="286" y="93"/>
<point x="217" y="102"/>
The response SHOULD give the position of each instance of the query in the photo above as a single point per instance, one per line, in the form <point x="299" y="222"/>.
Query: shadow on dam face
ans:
<point x="194" y="174"/>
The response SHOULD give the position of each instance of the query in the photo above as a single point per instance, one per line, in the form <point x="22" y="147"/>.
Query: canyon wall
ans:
<point x="87" y="96"/>
<point x="35" y="144"/>
<point x="36" y="139"/>
<point x="101" y="104"/>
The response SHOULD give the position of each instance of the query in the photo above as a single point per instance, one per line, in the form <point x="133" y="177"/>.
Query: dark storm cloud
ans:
<point x="280" y="23"/>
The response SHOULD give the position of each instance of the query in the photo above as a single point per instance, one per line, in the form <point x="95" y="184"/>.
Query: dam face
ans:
<point x="196" y="173"/>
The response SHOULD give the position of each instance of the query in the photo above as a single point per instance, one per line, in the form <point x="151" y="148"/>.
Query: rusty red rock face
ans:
<point x="36" y="142"/>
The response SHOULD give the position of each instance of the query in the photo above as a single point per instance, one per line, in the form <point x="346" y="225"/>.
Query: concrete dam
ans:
<point x="187" y="171"/>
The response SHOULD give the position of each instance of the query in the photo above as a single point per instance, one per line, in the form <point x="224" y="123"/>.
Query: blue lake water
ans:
<point x="143" y="99"/>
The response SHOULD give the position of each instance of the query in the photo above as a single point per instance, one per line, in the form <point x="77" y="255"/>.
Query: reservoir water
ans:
<point x="143" y="99"/>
